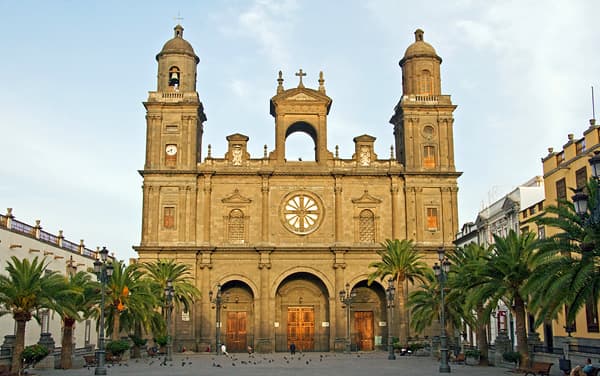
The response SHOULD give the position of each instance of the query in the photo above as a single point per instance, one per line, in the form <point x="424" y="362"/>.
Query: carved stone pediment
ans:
<point x="236" y="198"/>
<point x="301" y="97"/>
<point x="366" y="198"/>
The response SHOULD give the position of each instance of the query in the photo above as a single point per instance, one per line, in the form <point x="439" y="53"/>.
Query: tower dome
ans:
<point x="178" y="45"/>
<point x="419" y="48"/>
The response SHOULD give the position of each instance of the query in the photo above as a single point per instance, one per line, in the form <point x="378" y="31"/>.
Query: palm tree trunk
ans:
<point x="519" y="311"/>
<point x="482" y="336"/>
<point x="67" y="343"/>
<point x="116" y="325"/>
<point x="403" y="335"/>
<point x="19" y="344"/>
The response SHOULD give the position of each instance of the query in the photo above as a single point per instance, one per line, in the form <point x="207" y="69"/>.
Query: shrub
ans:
<point x="34" y="353"/>
<point x="137" y="341"/>
<point x="512" y="356"/>
<point x="473" y="353"/>
<point x="416" y="346"/>
<point x="117" y="347"/>
<point x="161" y="340"/>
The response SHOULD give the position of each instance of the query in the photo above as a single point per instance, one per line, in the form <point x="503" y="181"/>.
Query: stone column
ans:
<point x="337" y="312"/>
<point x="264" y="343"/>
<point x="338" y="209"/>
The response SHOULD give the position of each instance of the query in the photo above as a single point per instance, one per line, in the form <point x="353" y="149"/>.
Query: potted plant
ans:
<point x="161" y="341"/>
<point x="472" y="356"/>
<point x="116" y="349"/>
<point x="33" y="354"/>
<point x="512" y="357"/>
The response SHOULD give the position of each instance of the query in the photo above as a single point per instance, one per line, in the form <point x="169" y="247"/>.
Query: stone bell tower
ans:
<point x="174" y="127"/>
<point x="423" y="118"/>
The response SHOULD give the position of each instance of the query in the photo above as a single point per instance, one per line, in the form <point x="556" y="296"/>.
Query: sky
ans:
<point x="75" y="74"/>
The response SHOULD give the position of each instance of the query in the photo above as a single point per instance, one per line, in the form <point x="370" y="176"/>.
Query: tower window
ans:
<point x="366" y="226"/>
<point x="174" y="76"/>
<point x="432" y="219"/>
<point x="169" y="217"/>
<point x="426" y="83"/>
<point x="429" y="156"/>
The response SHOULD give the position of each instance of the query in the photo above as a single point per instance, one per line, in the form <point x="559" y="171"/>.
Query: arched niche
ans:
<point x="306" y="152"/>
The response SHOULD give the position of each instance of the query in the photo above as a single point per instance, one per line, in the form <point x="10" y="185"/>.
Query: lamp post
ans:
<point x="580" y="199"/>
<point x="103" y="270"/>
<point x="347" y="297"/>
<point x="389" y="294"/>
<point x="169" y="293"/>
<point x="441" y="272"/>
<point x="217" y="300"/>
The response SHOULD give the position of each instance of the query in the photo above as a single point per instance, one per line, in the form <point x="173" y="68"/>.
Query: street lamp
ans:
<point x="217" y="301"/>
<point x="441" y="273"/>
<point x="580" y="199"/>
<point x="103" y="270"/>
<point x="347" y="297"/>
<point x="169" y="293"/>
<point x="389" y="294"/>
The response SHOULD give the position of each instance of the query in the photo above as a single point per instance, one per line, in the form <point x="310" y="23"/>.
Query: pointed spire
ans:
<point x="279" y="83"/>
<point x="321" y="82"/>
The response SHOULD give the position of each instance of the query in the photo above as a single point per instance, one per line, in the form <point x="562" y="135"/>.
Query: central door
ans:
<point x="301" y="328"/>
<point x="363" y="329"/>
<point x="236" y="331"/>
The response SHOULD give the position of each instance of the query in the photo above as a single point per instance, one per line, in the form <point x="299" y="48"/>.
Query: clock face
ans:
<point x="171" y="150"/>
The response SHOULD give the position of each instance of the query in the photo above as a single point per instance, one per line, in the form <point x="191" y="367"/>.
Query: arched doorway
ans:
<point x="237" y="330"/>
<point x="302" y="314"/>
<point x="368" y="315"/>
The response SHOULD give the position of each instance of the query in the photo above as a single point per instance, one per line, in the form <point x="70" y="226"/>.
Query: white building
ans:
<point x="498" y="219"/>
<point x="26" y="241"/>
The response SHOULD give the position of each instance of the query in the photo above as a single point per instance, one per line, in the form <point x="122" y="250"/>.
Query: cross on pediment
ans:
<point x="178" y="19"/>
<point x="300" y="74"/>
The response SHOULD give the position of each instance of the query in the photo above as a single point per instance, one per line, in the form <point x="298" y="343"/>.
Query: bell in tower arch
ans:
<point x="174" y="77"/>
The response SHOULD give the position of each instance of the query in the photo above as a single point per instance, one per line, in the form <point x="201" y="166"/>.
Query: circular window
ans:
<point x="301" y="212"/>
<point x="428" y="132"/>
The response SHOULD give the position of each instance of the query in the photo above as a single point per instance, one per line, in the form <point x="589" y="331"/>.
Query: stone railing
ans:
<point x="9" y="222"/>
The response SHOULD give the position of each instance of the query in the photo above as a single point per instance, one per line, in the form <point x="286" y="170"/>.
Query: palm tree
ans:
<point x="29" y="286"/>
<point x="129" y="297"/>
<point x="401" y="261"/>
<point x="568" y="262"/>
<point x="76" y="307"/>
<point x="503" y="278"/>
<point x="161" y="271"/>
<point x="467" y="263"/>
<point x="424" y="304"/>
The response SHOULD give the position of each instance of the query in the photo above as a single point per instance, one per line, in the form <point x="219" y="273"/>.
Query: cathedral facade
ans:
<point x="279" y="239"/>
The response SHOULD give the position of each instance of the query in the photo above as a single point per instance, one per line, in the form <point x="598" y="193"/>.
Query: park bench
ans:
<point x="112" y="359"/>
<point x="536" y="368"/>
<point x="90" y="360"/>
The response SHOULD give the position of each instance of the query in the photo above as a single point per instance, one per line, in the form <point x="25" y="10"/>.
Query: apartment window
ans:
<point x="235" y="227"/>
<point x="561" y="190"/>
<point x="580" y="146"/>
<point x="541" y="232"/>
<point x="581" y="177"/>
<point x="432" y="219"/>
<point x="560" y="157"/>
<point x="532" y="210"/>
<point x="591" y="316"/>
<point x="366" y="226"/>
<point x="540" y="206"/>
<point x="524" y="213"/>
<point x="86" y="335"/>
<point x="169" y="217"/>
<point x="429" y="156"/>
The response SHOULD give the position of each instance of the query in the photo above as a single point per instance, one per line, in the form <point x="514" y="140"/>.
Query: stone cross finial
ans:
<point x="178" y="19"/>
<point x="300" y="74"/>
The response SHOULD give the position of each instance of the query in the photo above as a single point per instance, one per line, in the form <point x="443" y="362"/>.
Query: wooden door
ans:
<point x="363" y="329"/>
<point x="236" y="331"/>
<point x="301" y="328"/>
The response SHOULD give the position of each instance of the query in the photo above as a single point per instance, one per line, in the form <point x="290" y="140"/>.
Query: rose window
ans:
<point x="301" y="213"/>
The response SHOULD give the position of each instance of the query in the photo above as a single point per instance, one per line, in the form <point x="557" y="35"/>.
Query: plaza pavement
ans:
<point x="280" y="364"/>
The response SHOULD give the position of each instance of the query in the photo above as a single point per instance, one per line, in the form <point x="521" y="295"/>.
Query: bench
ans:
<point x="536" y="368"/>
<point x="90" y="361"/>
<point x="460" y="359"/>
